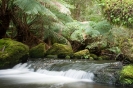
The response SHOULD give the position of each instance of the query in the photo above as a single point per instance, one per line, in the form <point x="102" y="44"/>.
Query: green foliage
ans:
<point x="116" y="50"/>
<point x="97" y="33"/>
<point x="122" y="41"/>
<point x="103" y="27"/>
<point x="119" y="12"/>
<point x="43" y="18"/>
<point x="99" y="43"/>
<point x="86" y="10"/>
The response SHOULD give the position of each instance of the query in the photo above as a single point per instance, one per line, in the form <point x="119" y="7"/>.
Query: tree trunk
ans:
<point x="23" y="32"/>
<point x="4" y="24"/>
<point x="4" y="18"/>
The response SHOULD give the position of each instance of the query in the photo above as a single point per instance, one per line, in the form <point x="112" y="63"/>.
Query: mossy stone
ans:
<point x="67" y="57"/>
<point x="52" y="56"/>
<point x="12" y="52"/>
<point x="60" y="49"/>
<point x="82" y="54"/>
<point x="38" y="51"/>
<point x="94" y="56"/>
<point x="126" y="75"/>
<point x="91" y="58"/>
<point x="100" y="58"/>
<point x="103" y="57"/>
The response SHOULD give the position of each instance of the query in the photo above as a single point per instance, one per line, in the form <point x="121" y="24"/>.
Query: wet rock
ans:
<point x="108" y="74"/>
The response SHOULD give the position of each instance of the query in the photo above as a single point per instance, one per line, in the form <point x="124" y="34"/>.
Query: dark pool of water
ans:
<point x="69" y="85"/>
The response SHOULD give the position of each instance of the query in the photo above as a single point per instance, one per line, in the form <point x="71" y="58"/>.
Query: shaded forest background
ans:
<point x="91" y="24"/>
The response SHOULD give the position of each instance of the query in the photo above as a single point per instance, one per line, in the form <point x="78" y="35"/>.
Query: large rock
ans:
<point x="126" y="75"/>
<point x="12" y="52"/>
<point x="82" y="54"/>
<point x="60" y="50"/>
<point x="38" y="51"/>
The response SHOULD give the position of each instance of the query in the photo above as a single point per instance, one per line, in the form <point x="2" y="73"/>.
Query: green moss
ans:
<point x="11" y="51"/>
<point x="67" y="57"/>
<point x="103" y="57"/>
<point x="126" y="75"/>
<point x="91" y="58"/>
<point x="38" y="51"/>
<point x="94" y="56"/>
<point x="82" y="54"/>
<point x="60" y="49"/>
<point x="51" y="56"/>
<point x="100" y="58"/>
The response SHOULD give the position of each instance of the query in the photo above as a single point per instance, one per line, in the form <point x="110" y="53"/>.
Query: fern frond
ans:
<point x="103" y="27"/>
<point x="34" y="7"/>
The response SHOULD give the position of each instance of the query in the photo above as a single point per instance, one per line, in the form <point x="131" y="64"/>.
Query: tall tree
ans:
<point x="32" y="18"/>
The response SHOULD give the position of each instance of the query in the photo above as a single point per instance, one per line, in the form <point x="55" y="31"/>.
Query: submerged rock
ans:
<point x="60" y="50"/>
<point x="12" y="52"/>
<point x="108" y="74"/>
<point x="38" y="51"/>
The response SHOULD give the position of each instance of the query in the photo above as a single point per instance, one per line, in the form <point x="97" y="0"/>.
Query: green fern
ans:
<point x="99" y="44"/>
<point x="103" y="27"/>
<point x="34" y="7"/>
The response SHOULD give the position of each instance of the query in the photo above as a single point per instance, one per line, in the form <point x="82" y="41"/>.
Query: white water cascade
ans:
<point x="22" y="74"/>
<point x="49" y="73"/>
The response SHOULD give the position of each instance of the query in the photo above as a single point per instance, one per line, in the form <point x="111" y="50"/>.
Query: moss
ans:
<point x="11" y="52"/>
<point x="94" y="56"/>
<point x="126" y="75"/>
<point x="103" y="57"/>
<point x="100" y="58"/>
<point x="52" y="56"/>
<point x="82" y="54"/>
<point x="91" y="58"/>
<point x="67" y="57"/>
<point x="60" y="49"/>
<point x="38" y="51"/>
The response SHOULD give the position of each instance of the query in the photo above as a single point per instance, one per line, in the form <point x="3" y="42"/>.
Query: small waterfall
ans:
<point x="71" y="73"/>
<point x="55" y="71"/>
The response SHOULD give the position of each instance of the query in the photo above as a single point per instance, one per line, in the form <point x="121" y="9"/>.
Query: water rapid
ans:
<point x="55" y="72"/>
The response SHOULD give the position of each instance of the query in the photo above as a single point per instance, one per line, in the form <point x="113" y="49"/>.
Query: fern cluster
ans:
<point x="81" y="31"/>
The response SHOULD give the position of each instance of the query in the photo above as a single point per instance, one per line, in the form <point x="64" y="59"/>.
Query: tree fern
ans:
<point x="34" y="7"/>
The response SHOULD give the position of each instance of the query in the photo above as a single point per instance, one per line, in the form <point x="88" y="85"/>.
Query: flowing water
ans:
<point x="60" y="74"/>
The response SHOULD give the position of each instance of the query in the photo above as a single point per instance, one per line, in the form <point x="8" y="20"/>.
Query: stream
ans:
<point x="49" y="73"/>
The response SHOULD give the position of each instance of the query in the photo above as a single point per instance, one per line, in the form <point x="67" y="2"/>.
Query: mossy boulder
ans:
<point x="94" y="56"/>
<point x="103" y="57"/>
<point x="60" y="50"/>
<point x="126" y="75"/>
<point x="38" y="51"/>
<point x="82" y="54"/>
<point x="12" y="52"/>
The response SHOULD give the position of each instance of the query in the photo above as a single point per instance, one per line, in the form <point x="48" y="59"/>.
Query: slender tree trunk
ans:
<point x="4" y="24"/>
<point x="4" y="18"/>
